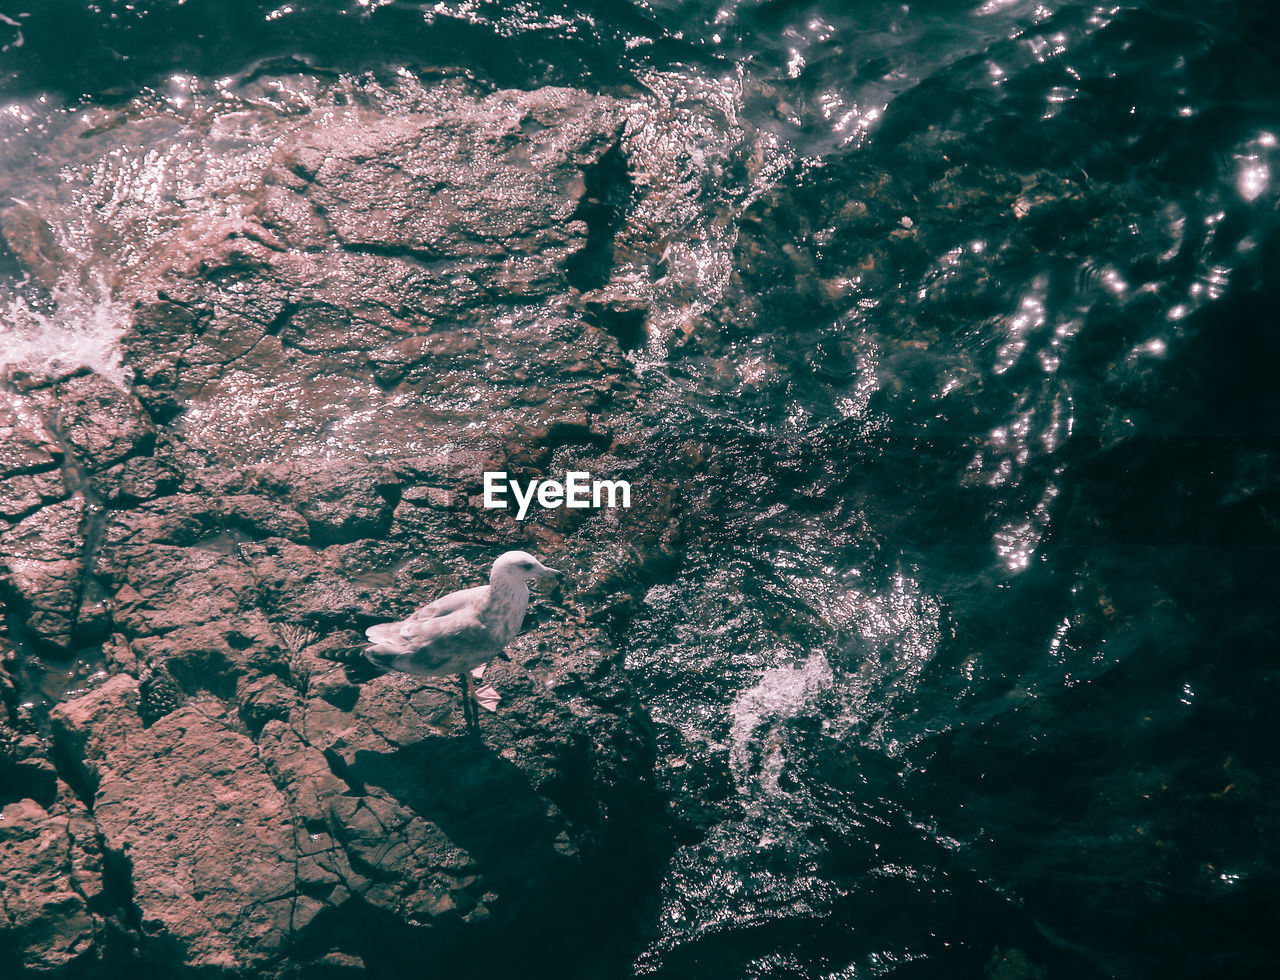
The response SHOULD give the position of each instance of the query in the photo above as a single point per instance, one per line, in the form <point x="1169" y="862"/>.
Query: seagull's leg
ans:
<point x="469" y="714"/>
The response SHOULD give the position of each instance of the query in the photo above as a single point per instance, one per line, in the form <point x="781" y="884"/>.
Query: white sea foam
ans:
<point x="76" y="326"/>
<point x="759" y="717"/>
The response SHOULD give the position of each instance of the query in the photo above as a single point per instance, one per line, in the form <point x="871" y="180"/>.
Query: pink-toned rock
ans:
<point x="268" y="814"/>
<point x="101" y="423"/>
<point x="41" y="562"/>
<point x="135" y="480"/>
<point x="31" y="239"/>
<point x="89" y="726"/>
<point x="20" y="495"/>
<point x="51" y="883"/>
<point x="341" y="502"/>
<point x="26" y="444"/>
<point x="207" y="835"/>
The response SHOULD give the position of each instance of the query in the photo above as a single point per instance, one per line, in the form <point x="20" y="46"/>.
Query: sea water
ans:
<point x="967" y="665"/>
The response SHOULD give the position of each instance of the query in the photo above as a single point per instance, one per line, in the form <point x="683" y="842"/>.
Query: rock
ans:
<point x="8" y="684"/>
<point x="31" y="240"/>
<point x="420" y="820"/>
<point x="393" y="182"/>
<point x="28" y="492"/>
<point x="87" y="727"/>
<point x="119" y="656"/>
<point x="264" y="698"/>
<point x="371" y="283"/>
<point x="323" y="379"/>
<point x="179" y="520"/>
<point x="175" y="588"/>
<point x="341" y="501"/>
<point x="159" y="335"/>
<point x="51" y="886"/>
<point x="25" y="770"/>
<point x="135" y="480"/>
<point x="266" y="518"/>
<point x="40" y="562"/>
<point x="26" y="444"/>
<point x="101" y="423"/>
<point x="188" y="805"/>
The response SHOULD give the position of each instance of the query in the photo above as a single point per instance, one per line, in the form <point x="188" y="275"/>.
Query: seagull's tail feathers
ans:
<point x="343" y="655"/>
<point x="381" y="658"/>
<point x="362" y="663"/>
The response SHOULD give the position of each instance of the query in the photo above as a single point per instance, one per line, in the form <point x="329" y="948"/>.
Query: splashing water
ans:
<point x="760" y="715"/>
<point x="78" y="325"/>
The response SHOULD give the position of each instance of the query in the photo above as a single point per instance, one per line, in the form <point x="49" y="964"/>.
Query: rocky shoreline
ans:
<point x="217" y="801"/>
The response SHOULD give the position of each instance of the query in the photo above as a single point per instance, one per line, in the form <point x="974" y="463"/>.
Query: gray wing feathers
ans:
<point x="450" y="603"/>
<point x="384" y="633"/>
<point x="387" y="638"/>
<point x="441" y="644"/>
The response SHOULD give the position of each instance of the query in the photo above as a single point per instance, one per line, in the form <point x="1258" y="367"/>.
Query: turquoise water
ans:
<point x="963" y="325"/>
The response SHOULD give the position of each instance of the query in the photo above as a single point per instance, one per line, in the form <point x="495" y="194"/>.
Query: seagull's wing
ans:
<point x="445" y="644"/>
<point x="386" y="639"/>
<point x="450" y="603"/>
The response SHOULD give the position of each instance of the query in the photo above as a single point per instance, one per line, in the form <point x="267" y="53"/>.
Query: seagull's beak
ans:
<point x="545" y="571"/>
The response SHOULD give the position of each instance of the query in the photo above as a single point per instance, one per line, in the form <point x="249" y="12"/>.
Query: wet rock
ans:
<point x="178" y="520"/>
<point x="119" y="656"/>
<point x="21" y="495"/>
<point x="323" y="381"/>
<point x="31" y="240"/>
<point x="26" y="444"/>
<point x="174" y="587"/>
<point x="85" y="729"/>
<point x="323" y="590"/>
<point x="135" y="480"/>
<point x="394" y="183"/>
<point x="441" y="218"/>
<point x="101" y="423"/>
<point x="8" y="685"/>
<point x="41" y="564"/>
<point x="159" y="335"/>
<point x="266" y="518"/>
<point x="341" y="501"/>
<point x="9" y="745"/>
<point x="420" y="820"/>
<point x="25" y="770"/>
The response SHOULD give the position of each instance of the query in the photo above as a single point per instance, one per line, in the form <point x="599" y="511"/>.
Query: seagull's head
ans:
<point x="519" y="566"/>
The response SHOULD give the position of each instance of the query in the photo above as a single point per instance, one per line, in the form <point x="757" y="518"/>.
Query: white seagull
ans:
<point x="460" y="632"/>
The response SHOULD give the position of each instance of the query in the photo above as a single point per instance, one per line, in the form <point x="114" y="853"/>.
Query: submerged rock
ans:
<point x="31" y="240"/>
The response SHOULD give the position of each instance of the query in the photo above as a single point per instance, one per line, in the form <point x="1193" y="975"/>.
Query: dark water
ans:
<point x="964" y="330"/>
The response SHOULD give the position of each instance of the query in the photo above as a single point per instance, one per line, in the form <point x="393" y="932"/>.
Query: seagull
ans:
<point x="460" y="632"/>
